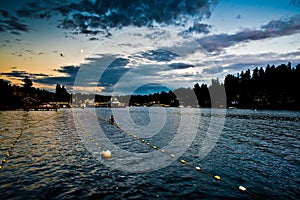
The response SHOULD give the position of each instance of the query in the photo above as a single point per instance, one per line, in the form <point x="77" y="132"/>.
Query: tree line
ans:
<point x="269" y="88"/>
<point x="14" y="97"/>
<point x="199" y="96"/>
<point x="262" y="88"/>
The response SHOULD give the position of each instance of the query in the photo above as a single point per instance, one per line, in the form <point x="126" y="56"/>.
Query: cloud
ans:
<point x="100" y="16"/>
<point x="21" y="74"/>
<point x="113" y="72"/>
<point x="38" y="9"/>
<point x="180" y="65"/>
<point x="275" y="28"/>
<point x="117" y="73"/>
<point x="9" y="23"/>
<point x="16" y="53"/>
<point x="68" y="79"/>
<point x="15" y="73"/>
<point x="38" y="75"/>
<point x="198" y="28"/>
<point x="93" y="39"/>
<point x="159" y="55"/>
<point x="212" y="70"/>
<point x="62" y="80"/>
<point x="232" y="63"/>
<point x="70" y="71"/>
<point x="83" y="24"/>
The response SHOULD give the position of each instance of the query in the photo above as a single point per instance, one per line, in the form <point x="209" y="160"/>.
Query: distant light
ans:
<point x="81" y="51"/>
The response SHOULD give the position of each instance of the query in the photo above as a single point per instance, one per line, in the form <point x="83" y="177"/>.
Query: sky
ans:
<point x="125" y="47"/>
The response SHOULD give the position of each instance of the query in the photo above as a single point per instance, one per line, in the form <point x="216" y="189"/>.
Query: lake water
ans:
<point x="56" y="156"/>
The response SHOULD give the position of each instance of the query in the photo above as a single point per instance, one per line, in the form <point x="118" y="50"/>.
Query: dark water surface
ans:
<point x="259" y="150"/>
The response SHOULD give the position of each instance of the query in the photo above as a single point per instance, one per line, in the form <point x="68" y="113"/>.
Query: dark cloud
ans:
<point x="93" y="17"/>
<point x="113" y="73"/>
<point x="29" y="51"/>
<point x="10" y="23"/>
<point x="275" y="28"/>
<point x="180" y="66"/>
<point x="39" y="9"/>
<point x="68" y="79"/>
<point x="70" y="71"/>
<point x="212" y="70"/>
<point x="15" y="33"/>
<point x="38" y="75"/>
<point x="82" y="24"/>
<point x="159" y="55"/>
<point x="262" y="57"/>
<point x="198" y="28"/>
<point x="235" y="63"/>
<point x="15" y="73"/>
<point x="93" y="39"/>
<point x="22" y="74"/>
<point x="17" y="53"/>
<point x="161" y="34"/>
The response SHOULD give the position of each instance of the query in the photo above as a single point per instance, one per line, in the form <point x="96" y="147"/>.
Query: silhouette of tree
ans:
<point x="272" y="88"/>
<point x="13" y="97"/>
<point x="61" y="94"/>
<point x="27" y="83"/>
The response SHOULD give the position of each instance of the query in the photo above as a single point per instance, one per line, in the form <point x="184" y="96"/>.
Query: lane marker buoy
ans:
<point x="106" y="154"/>
<point x="242" y="188"/>
<point x="218" y="178"/>
<point x="198" y="168"/>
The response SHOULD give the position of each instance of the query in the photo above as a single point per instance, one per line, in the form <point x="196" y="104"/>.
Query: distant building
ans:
<point x="60" y="104"/>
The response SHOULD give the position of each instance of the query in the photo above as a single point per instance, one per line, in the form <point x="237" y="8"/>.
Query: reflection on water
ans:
<point x="259" y="150"/>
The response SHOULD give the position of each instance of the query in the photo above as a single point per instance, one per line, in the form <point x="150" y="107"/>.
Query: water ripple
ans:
<point x="259" y="150"/>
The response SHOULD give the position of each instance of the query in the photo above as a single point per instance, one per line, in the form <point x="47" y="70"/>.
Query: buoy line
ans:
<point x="19" y="135"/>
<point x="182" y="161"/>
<point x="105" y="154"/>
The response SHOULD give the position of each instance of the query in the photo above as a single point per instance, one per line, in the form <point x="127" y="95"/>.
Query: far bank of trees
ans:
<point x="14" y="97"/>
<point x="262" y="88"/>
<point x="199" y="96"/>
<point x="269" y="88"/>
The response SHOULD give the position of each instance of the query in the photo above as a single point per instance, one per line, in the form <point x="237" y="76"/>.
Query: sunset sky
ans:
<point x="122" y="46"/>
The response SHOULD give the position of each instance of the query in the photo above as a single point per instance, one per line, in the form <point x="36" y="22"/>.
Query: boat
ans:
<point x="114" y="103"/>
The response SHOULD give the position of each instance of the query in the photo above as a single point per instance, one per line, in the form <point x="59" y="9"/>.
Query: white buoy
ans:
<point x="198" y="168"/>
<point x="106" y="154"/>
<point x="242" y="188"/>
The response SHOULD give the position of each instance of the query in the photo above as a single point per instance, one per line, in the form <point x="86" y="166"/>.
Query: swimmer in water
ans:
<point x="111" y="120"/>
